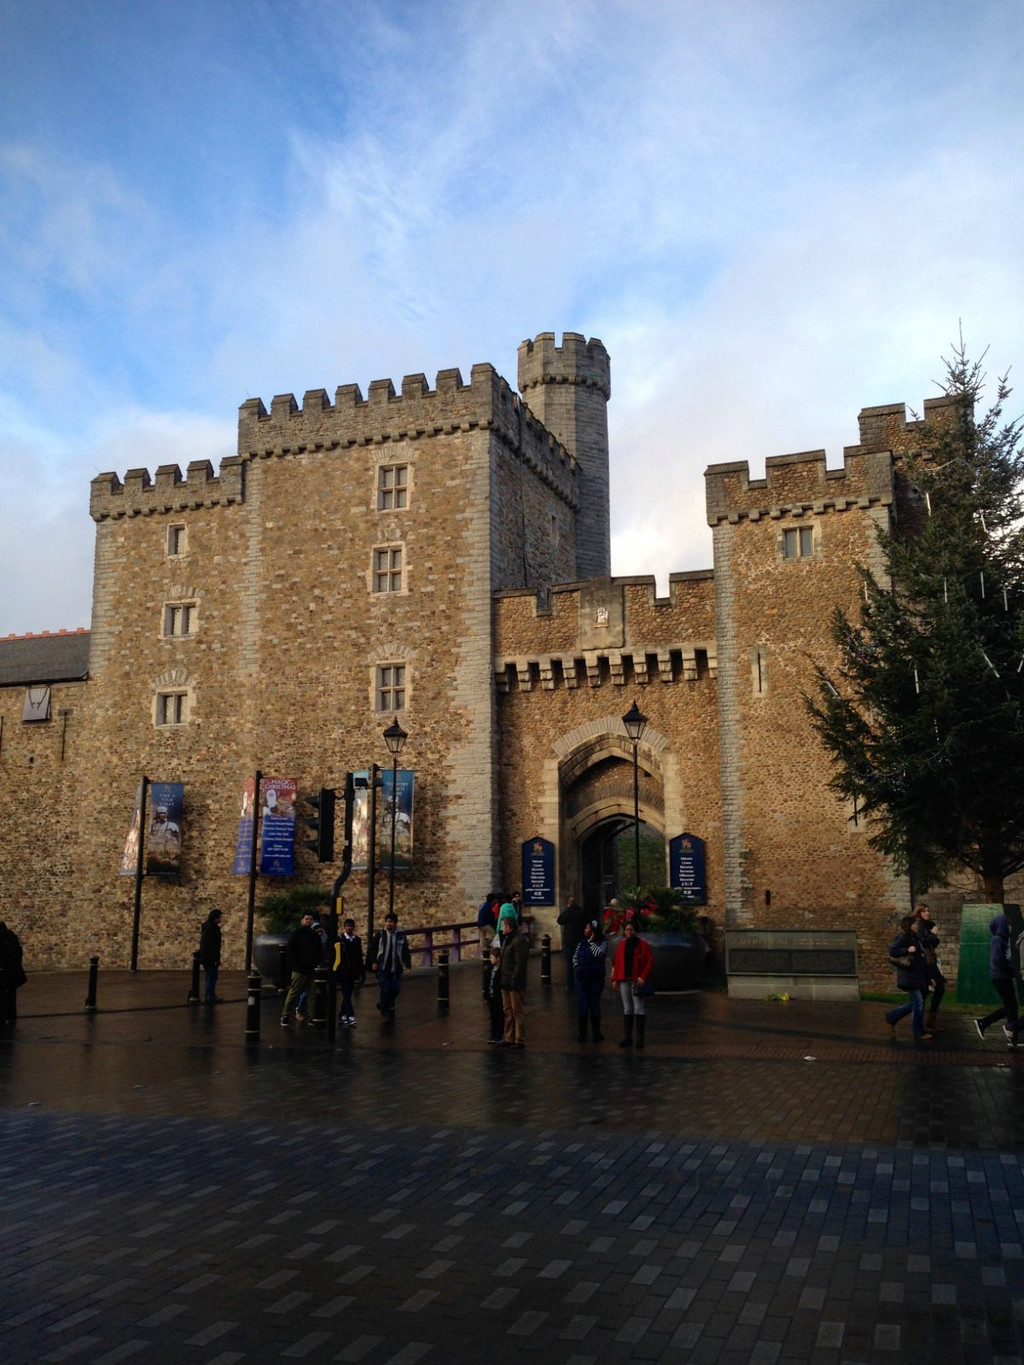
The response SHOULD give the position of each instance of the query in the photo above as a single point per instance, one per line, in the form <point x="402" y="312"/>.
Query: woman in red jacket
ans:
<point x="634" y="962"/>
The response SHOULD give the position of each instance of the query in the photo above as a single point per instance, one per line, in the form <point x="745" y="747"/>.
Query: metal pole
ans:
<point x="443" y="984"/>
<point x="394" y="822"/>
<point x="545" y="960"/>
<point x="371" y="877"/>
<point x="252" y="1011"/>
<point x="193" y="994"/>
<point x="90" y="999"/>
<point x="253" y="846"/>
<point x="636" y="815"/>
<point x="139" y="866"/>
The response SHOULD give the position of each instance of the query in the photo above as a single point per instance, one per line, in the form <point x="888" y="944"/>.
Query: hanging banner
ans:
<point x="130" y="856"/>
<point x="163" y="840"/>
<point x="538" y="868"/>
<point x="402" y="808"/>
<point x="243" y="840"/>
<point x="686" y="867"/>
<point x="277" y="842"/>
<point x="361" y="820"/>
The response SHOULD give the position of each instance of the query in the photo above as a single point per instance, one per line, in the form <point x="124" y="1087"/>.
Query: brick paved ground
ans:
<point x="766" y="1183"/>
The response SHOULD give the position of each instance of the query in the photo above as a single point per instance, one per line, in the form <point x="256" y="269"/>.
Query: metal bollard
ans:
<point x="443" y="984"/>
<point x="282" y="970"/>
<point x="319" y="1014"/>
<point x="193" y="994"/>
<point x="90" y="999"/>
<point x="545" y="960"/>
<point x="254" y="987"/>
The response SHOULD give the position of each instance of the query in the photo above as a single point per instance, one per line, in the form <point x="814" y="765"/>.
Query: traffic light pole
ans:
<point x="253" y="848"/>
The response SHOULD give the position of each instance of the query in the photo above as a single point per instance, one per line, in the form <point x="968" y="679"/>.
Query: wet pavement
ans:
<point x="765" y="1182"/>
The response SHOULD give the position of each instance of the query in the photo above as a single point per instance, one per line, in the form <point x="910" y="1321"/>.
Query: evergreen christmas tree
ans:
<point x="925" y="715"/>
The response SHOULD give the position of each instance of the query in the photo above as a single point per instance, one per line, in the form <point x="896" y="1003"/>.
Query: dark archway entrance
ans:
<point x="607" y="858"/>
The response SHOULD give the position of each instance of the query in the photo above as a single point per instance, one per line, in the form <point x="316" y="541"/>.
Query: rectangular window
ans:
<point x="180" y="619"/>
<point x="392" y="487"/>
<point x="37" y="704"/>
<point x="171" y="708"/>
<point x="390" y="687"/>
<point x="387" y="569"/>
<point x="798" y="542"/>
<point x="177" y="541"/>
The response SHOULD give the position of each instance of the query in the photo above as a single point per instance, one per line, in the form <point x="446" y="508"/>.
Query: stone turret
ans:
<point x="567" y="388"/>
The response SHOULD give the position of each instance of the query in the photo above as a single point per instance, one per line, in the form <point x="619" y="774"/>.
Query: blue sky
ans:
<point x="771" y="213"/>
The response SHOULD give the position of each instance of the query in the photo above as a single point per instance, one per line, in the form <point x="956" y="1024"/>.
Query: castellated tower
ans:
<point x="567" y="388"/>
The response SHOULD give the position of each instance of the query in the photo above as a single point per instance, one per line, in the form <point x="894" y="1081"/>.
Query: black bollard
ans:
<point x="319" y="1015"/>
<point x="443" y="985"/>
<point x="254" y="987"/>
<point x="90" y="999"/>
<point x="545" y="960"/>
<point x="193" y="994"/>
<point x="282" y="970"/>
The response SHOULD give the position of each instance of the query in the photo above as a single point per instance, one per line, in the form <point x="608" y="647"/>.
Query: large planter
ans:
<point x="266" y="955"/>
<point x="678" y="960"/>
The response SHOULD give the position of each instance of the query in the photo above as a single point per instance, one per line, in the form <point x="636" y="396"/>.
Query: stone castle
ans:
<point x="442" y="555"/>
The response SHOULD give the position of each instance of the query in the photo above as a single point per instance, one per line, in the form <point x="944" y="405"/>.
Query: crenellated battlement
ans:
<point x="887" y="428"/>
<point x="139" y="495"/>
<point x="576" y="361"/>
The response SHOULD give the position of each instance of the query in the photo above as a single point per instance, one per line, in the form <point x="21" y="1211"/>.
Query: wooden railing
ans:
<point x="461" y="940"/>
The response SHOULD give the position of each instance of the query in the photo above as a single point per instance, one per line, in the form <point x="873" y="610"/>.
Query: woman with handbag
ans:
<point x="906" y="954"/>
<point x="631" y="972"/>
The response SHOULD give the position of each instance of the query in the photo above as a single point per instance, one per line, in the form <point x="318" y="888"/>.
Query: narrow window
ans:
<point x="798" y="542"/>
<point x="392" y="487"/>
<point x="758" y="672"/>
<point x="179" y="619"/>
<point x="171" y="708"/>
<point x="387" y="569"/>
<point x="177" y="540"/>
<point x="390" y="687"/>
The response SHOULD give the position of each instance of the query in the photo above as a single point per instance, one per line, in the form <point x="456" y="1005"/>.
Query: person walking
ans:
<point x="515" y="956"/>
<point x="1002" y="973"/>
<point x="588" y="966"/>
<point x="572" y="919"/>
<point x="209" y="955"/>
<point x="928" y="933"/>
<point x="348" y="968"/>
<point x="304" y="955"/>
<point x="631" y="972"/>
<point x="389" y="958"/>
<point x="906" y="952"/>
<point x="12" y="974"/>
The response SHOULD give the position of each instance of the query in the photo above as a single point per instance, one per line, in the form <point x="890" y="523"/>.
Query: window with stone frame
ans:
<point x="177" y="540"/>
<point x="798" y="542"/>
<point x="389" y="687"/>
<point x="392" y="487"/>
<point x="171" y="708"/>
<point x="180" y="619"/>
<point x="388" y="569"/>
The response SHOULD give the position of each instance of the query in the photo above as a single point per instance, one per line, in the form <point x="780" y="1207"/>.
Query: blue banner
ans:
<point x="163" y="839"/>
<point x="538" y="871"/>
<point x="243" y="840"/>
<point x="277" y="842"/>
<point x="687" y="867"/>
<point x="403" y="820"/>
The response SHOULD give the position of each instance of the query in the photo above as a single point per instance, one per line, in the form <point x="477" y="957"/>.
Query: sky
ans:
<point x="772" y="213"/>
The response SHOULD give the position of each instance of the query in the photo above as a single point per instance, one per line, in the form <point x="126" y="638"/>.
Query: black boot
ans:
<point x="627" y="1037"/>
<point x="641" y="1029"/>
<point x="581" y="1033"/>
<point x="595" y="1026"/>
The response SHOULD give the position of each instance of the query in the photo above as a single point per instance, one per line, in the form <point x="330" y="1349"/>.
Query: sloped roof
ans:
<point x="61" y="656"/>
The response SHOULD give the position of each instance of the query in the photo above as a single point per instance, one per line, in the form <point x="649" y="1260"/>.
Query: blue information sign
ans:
<point x="538" y="872"/>
<point x="686" y="864"/>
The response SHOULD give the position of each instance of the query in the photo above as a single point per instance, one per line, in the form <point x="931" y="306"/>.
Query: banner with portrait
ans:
<point x="130" y="856"/>
<point x="164" y="836"/>
<point x="243" y="839"/>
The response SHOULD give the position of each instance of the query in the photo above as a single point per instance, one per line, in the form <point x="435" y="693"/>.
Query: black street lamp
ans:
<point x="636" y="723"/>
<point x="394" y="738"/>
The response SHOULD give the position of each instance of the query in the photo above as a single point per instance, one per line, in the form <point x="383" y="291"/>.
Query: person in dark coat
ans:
<point x="912" y="978"/>
<point x="305" y="954"/>
<point x="348" y="968"/>
<point x="492" y="995"/>
<point x="588" y="965"/>
<point x="572" y="919"/>
<point x="1002" y="973"/>
<point x="515" y="956"/>
<point x="12" y="974"/>
<point x="209" y="955"/>
<point x="928" y="933"/>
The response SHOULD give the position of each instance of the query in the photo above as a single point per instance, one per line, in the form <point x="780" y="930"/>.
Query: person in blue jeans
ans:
<point x="588" y="965"/>
<point x="389" y="958"/>
<point x="912" y="978"/>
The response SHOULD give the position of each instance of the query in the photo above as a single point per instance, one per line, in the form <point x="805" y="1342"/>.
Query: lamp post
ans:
<point x="394" y="738"/>
<point x="636" y="723"/>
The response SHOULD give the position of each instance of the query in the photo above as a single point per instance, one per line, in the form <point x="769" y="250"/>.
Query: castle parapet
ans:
<point x="576" y="361"/>
<point x="887" y="428"/>
<point x="170" y="491"/>
<point x="486" y="403"/>
<point x="798" y="483"/>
